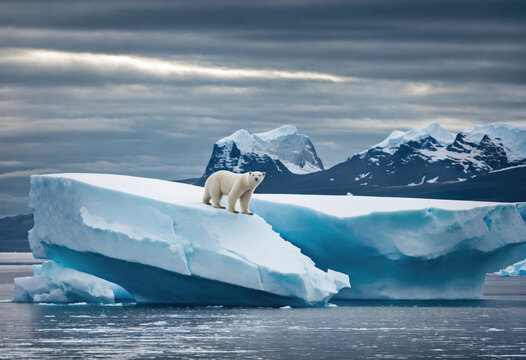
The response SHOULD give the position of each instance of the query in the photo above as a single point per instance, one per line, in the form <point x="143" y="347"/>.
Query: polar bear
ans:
<point x="236" y="186"/>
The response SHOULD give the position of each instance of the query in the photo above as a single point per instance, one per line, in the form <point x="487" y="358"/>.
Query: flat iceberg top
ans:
<point x="161" y="190"/>
<point x="351" y="206"/>
<point x="334" y="205"/>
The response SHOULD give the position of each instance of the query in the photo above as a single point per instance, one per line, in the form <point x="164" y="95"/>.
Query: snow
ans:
<point x="396" y="138"/>
<point x="54" y="283"/>
<point x="293" y="149"/>
<point x="362" y="176"/>
<point x="277" y="133"/>
<point x="421" y="182"/>
<point x="433" y="180"/>
<point x="508" y="168"/>
<point x="296" y="169"/>
<point x="517" y="269"/>
<point x="468" y="155"/>
<point x="512" y="136"/>
<point x="112" y="226"/>
<point x="345" y="206"/>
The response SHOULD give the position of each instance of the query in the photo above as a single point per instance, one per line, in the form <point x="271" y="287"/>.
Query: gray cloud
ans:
<point x="345" y="73"/>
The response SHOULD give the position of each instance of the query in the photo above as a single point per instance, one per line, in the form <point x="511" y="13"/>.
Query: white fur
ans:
<point x="236" y="186"/>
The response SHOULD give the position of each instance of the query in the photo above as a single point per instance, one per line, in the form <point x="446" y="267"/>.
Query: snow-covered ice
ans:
<point x="155" y="239"/>
<point x="400" y="248"/>
<point x="159" y="242"/>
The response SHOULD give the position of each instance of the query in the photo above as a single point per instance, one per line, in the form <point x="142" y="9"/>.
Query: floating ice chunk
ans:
<point x="159" y="242"/>
<point x="517" y="269"/>
<point x="54" y="283"/>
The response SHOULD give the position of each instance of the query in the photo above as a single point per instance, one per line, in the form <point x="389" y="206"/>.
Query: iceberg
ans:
<point x="56" y="284"/>
<point x="400" y="248"/>
<point x="517" y="269"/>
<point x="156" y="240"/>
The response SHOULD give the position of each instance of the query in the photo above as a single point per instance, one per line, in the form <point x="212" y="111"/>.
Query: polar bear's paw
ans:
<point x="219" y="207"/>
<point x="248" y="213"/>
<point x="233" y="211"/>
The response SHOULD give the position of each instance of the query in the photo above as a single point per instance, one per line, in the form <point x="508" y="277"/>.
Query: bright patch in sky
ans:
<point x="154" y="66"/>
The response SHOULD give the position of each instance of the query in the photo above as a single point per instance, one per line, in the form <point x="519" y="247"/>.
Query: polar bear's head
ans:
<point x="256" y="177"/>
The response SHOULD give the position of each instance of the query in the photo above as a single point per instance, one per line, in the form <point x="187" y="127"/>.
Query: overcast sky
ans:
<point x="146" y="87"/>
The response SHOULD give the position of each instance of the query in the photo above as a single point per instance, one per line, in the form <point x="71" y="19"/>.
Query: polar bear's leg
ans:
<point x="206" y="196"/>
<point x="233" y="195"/>
<point x="217" y="203"/>
<point x="216" y="195"/>
<point x="244" y="200"/>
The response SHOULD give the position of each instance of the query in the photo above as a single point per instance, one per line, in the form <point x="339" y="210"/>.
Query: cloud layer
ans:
<point x="146" y="88"/>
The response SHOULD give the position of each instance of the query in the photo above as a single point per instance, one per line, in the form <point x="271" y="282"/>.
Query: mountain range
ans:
<point x="13" y="233"/>
<point x="428" y="162"/>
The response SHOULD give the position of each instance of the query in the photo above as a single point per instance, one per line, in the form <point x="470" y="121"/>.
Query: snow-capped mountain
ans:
<point x="429" y="162"/>
<point x="397" y="137"/>
<point x="513" y="137"/>
<point x="434" y="155"/>
<point x="279" y="152"/>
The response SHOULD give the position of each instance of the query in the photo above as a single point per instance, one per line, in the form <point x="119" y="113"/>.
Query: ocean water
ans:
<point x="491" y="328"/>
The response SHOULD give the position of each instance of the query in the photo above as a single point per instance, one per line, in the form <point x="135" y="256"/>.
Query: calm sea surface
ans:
<point x="491" y="328"/>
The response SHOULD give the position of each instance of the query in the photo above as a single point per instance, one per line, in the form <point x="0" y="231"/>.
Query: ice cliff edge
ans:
<point x="156" y="240"/>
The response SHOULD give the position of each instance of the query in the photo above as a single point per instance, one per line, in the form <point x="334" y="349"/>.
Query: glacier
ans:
<point x="156" y="240"/>
<point x="400" y="248"/>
